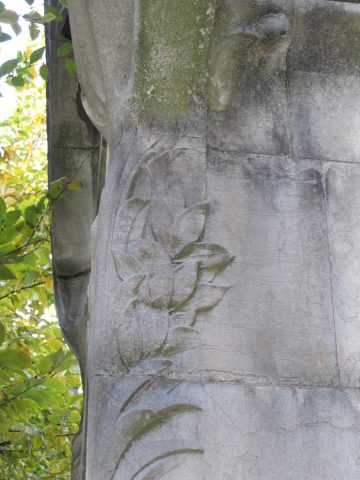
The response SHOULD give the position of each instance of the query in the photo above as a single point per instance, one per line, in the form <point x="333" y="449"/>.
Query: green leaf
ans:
<point x="16" y="27"/>
<point x="45" y="364"/>
<point x="9" y="16"/>
<point x="56" y="385"/>
<point x="64" y="3"/>
<point x="11" y="217"/>
<point x="37" y="54"/>
<point x="4" y="37"/>
<point x="2" y="333"/>
<point x="18" y="81"/>
<point x="54" y="11"/>
<point x="70" y="65"/>
<point x="2" y="7"/>
<point x="6" y="273"/>
<point x="8" y="66"/>
<point x="59" y="357"/>
<point x="2" y="207"/>
<point x="58" y="416"/>
<point x="41" y="205"/>
<point x="39" y="396"/>
<point x="31" y="216"/>
<point x="7" y="235"/>
<point x="11" y="358"/>
<point x="44" y="72"/>
<point x="34" y="17"/>
<point x="74" y="417"/>
<point x="64" y="49"/>
<point x="74" y="186"/>
<point x="48" y="17"/>
<point x="34" y="31"/>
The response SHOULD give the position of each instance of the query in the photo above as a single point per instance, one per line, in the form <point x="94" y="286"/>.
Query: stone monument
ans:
<point x="217" y="324"/>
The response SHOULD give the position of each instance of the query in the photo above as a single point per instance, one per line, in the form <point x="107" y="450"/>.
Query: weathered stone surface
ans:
<point x="275" y="324"/>
<point x="248" y="77"/>
<point x="344" y="220"/>
<point x="222" y="338"/>
<point x="325" y="116"/>
<point x="222" y="431"/>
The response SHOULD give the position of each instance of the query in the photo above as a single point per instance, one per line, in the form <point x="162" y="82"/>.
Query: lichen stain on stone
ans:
<point x="248" y="41"/>
<point x="172" y="58"/>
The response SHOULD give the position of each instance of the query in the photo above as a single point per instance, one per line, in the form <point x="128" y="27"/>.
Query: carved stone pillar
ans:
<point x="223" y="334"/>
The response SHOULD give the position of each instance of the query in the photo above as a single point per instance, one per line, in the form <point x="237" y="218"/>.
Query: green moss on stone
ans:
<point x="172" y="57"/>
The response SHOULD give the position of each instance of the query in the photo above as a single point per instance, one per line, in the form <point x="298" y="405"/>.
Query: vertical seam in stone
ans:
<point x="330" y="269"/>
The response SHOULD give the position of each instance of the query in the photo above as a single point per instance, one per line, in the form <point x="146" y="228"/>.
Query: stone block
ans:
<point x="325" y="116"/>
<point x="185" y="431"/>
<point x="75" y="211"/>
<point x="343" y="197"/>
<point x="325" y="38"/>
<point x="275" y="323"/>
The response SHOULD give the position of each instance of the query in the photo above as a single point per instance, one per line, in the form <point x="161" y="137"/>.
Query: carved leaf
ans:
<point x="141" y="184"/>
<point x="154" y="261"/>
<point x="185" y="275"/>
<point x="161" y="221"/>
<point x="125" y="264"/>
<point x="183" y="318"/>
<point x="180" y="339"/>
<point x="142" y="331"/>
<point x="188" y="226"/>
<point x="206" y="296"/>
<point x="131" y="221"/>
<point x="209" y="255"/>
<point x="125" y="293"/>
<point x="138" y="423"/>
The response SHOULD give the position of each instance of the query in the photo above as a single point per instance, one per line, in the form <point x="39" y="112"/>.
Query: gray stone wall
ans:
<point x="223" y="332"/>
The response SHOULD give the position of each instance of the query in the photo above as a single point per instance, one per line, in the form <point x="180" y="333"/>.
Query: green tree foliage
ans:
<point x="40" y="390"/>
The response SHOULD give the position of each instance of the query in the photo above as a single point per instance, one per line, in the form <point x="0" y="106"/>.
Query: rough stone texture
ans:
<point x="223" y="331"/>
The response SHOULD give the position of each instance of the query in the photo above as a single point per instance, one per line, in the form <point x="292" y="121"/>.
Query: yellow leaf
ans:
<point x="49" y="282"/>
<point x="10" y="192"/>
<point x="10" y="201"/>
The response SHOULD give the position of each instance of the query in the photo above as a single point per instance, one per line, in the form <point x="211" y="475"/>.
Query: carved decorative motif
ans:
<point x="168" y="275"/>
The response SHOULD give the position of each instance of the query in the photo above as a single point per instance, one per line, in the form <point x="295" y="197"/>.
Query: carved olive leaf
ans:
<point x="183" y="318"/>
<point x="161" y="221"/>
<point x="180" y="339"/>
<point x="125" y="264"/>
<point x="142" y="331"/>
<point x="209" y="255"/>
<point x="206" y="296"/>
<point x="185" y="276"/>
<point x="131" y="221"/>
<point x="141" y="184"/>
<point x="188" y="226"/>
<point x="154" y="261"/>
<point x="126" y="290"/>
